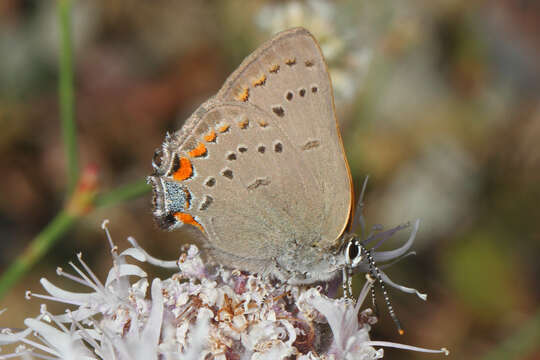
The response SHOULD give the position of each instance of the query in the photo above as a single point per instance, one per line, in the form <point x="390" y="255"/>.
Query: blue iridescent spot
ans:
<point x="176" y="196"/>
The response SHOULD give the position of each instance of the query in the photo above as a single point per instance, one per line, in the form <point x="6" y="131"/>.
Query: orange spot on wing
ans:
<point x="223" y="128"/>
<point x="243" y="95"/>
<point x="242" y="124"/>
<point x="200" y="150"/>
<point x="260" y="81"/>
<point x="274" y="69"/>
<point x="211" y="136"/>
<point x="187" y="219"/>
<point x="185" y="170"/>
<point x="290" y="61"/>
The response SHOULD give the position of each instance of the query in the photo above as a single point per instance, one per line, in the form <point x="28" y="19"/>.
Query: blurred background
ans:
<point x="437" y="101"/>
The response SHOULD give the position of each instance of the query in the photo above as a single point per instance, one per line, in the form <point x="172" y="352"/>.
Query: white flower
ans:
<point x="349" y="336"/>
<point x="201" y="312"/>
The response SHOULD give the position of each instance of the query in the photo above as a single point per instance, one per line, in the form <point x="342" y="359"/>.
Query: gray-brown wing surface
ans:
<point x="287" y="78"/>
<point x="261" y="166"/>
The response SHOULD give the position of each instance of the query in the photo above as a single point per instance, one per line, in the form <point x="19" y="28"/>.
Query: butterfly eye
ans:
<point x="353" y="253"/>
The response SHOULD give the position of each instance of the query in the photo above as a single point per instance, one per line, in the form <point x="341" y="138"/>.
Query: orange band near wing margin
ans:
<point x="274" y="69"/>
<point x="187" y="219"/>
<point x="260" y="81"/>
<point x="200" y="150"/>
<point x="211" y="136"/>
<point x="223" y="128"/>
<point x="185" y="170"/>
<point x="243" y="124"/>
<point x="243" y="95"/>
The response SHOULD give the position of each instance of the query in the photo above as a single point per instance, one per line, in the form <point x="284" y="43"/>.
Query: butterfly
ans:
<point x="260" y="169"/>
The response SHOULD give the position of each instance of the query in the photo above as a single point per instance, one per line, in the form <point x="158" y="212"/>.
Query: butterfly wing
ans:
<point x="260" y="167"/>
<point x="287" y="78"/>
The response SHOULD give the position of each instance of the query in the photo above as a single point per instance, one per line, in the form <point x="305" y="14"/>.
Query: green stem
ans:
<point x="66" y="95"/>
<point x="37" y="248"/>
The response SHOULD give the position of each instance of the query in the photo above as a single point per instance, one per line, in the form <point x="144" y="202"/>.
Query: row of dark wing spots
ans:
<point x="231" y="156"/>
<point x="209" y="182"/>
<point x="242" y="149"/>
<point x="289" y="95"/>
<point x="278" y="147"/>
<point x="228" y="173"/>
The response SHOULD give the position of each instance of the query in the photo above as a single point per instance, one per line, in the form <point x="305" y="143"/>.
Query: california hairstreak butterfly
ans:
<point x="261" y="171"/>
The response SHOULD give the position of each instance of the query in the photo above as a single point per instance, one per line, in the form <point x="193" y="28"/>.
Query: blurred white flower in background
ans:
<point x="438" y="186"/>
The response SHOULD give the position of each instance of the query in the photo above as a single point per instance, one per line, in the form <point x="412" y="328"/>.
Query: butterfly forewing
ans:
<point x="288" y="78"/>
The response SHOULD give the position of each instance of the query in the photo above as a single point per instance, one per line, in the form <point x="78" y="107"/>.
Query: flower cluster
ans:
<point x="200" y="312"/>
